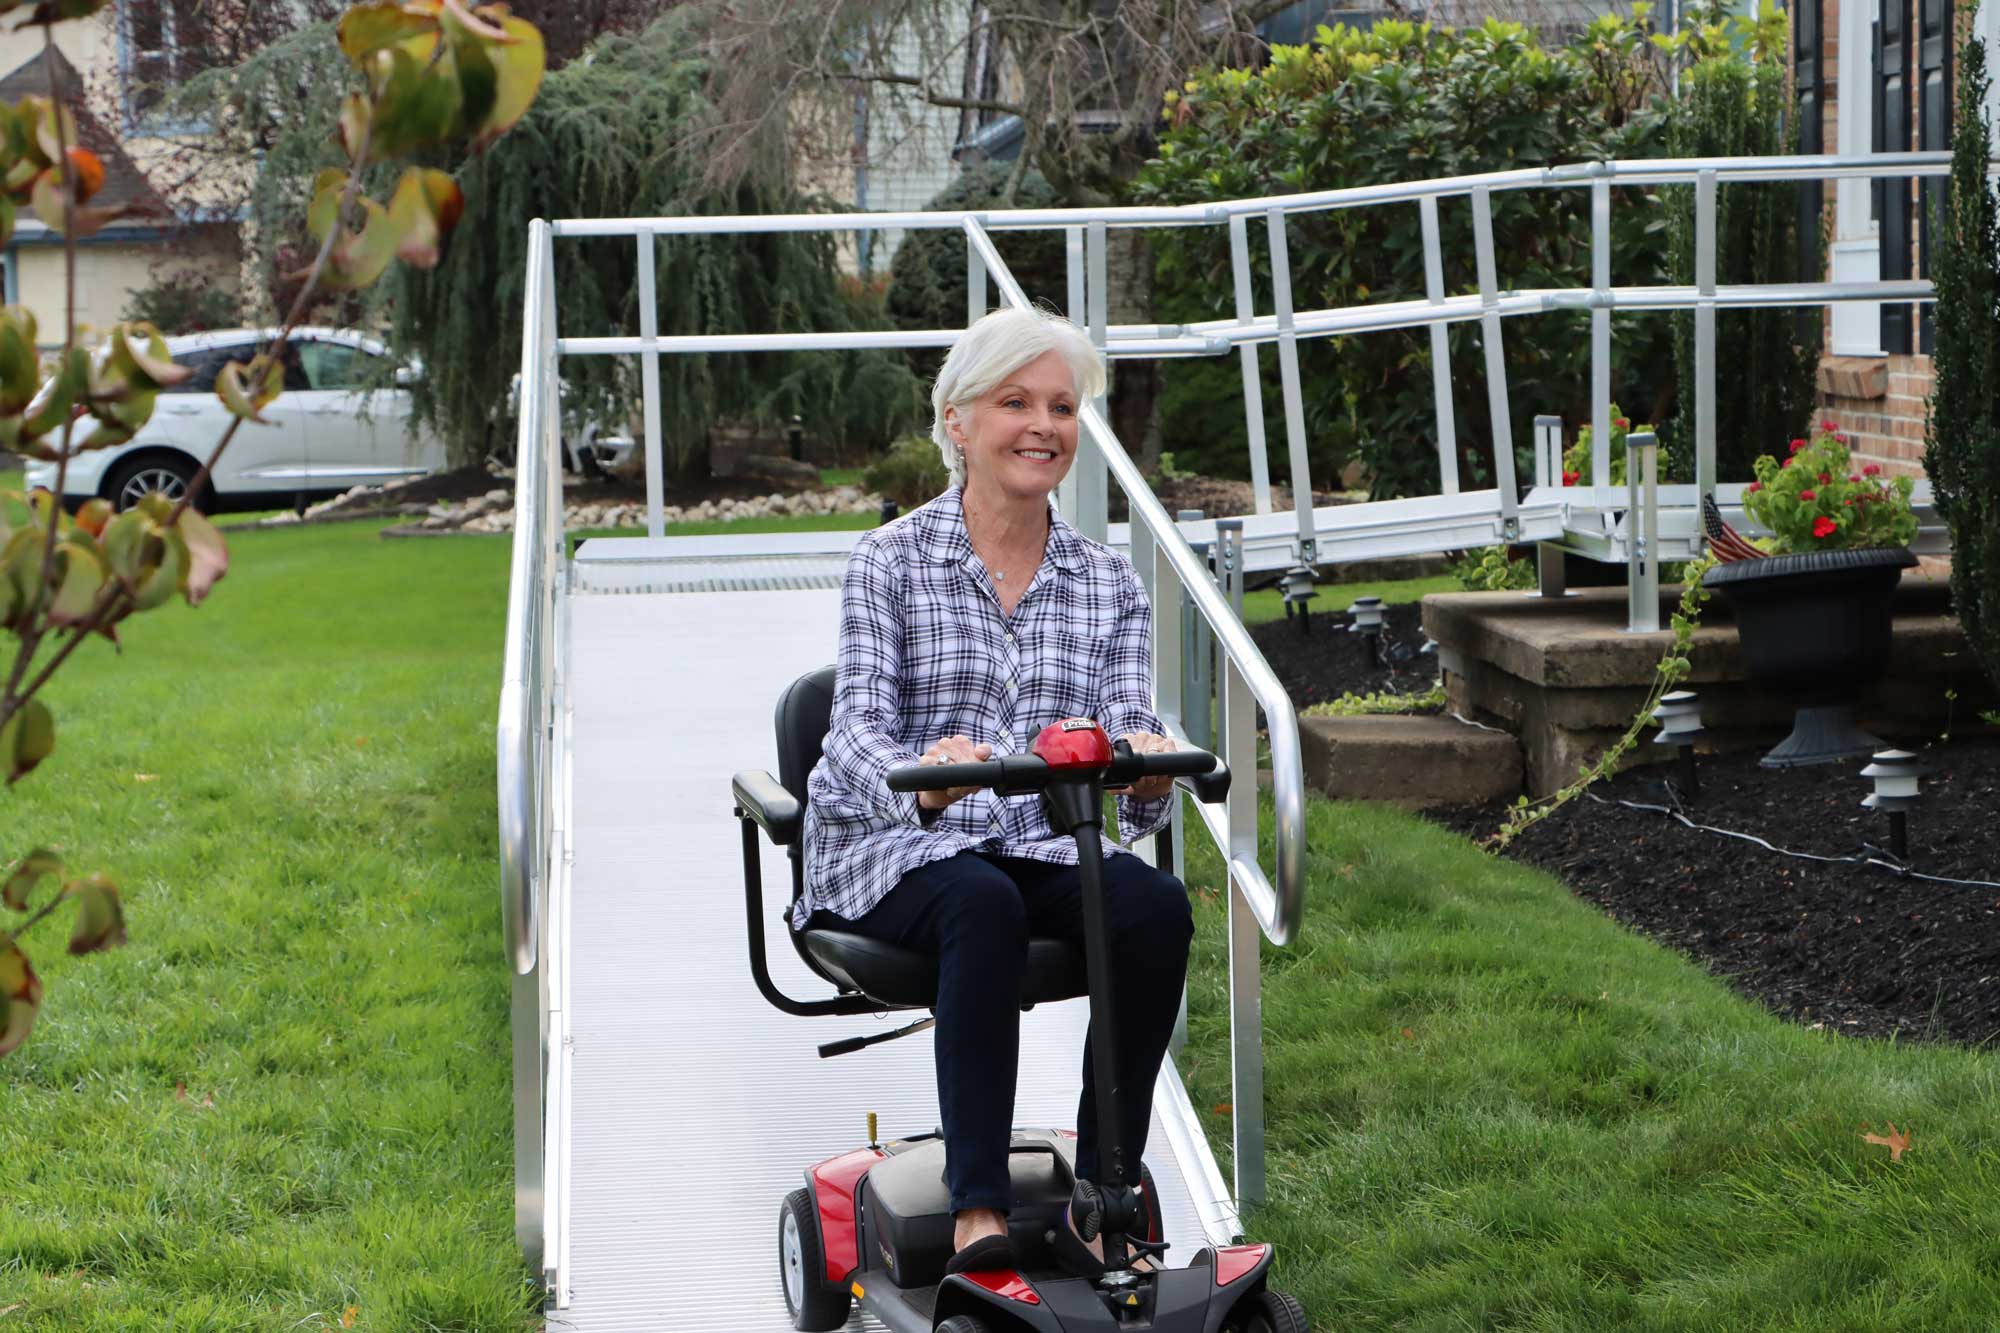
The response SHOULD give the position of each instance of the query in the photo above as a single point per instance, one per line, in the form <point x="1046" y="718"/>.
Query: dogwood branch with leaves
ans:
<point x="431" y="72"/>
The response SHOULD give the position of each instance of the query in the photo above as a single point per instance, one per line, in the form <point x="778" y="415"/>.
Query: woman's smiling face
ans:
<point x="1020" y="438"/>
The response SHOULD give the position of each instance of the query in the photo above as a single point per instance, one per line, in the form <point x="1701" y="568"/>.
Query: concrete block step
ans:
<point x="1414" y="762"/>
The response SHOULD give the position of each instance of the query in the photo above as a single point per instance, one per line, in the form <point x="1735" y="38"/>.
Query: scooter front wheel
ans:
<point x="961" y="1323"/>
<point x="813" y="1305"/>
<point x="1269" y="1312"/>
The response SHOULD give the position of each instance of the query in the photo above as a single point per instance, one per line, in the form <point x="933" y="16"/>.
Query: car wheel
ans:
<point x="160" y="474"/>
<point x="809" y="1299"/>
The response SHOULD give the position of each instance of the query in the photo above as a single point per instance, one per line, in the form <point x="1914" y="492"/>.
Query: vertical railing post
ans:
<point x="1642" y="533"/>
<point x="1704" y="334"/>
<point x="1253" y="379"/>
<point x="1600" y="333"/>
<point x="1496" y="363"/>
<point x="649" y="370"/>
<point x="1295" y="409"/>
<point x="1092" y="516"/>
<point x="975" y="284"/>
<point x="1079" y="315"/>
<point x="1447" y="422"/>
<point x="1238" y="748"/>
<point x="1197" y="682"/>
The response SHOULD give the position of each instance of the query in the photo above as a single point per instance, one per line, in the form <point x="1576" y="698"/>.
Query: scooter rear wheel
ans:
<point x="961" y="1323"/>
<point x="1269" y="1312"/>
<point x="813" y="1305"/>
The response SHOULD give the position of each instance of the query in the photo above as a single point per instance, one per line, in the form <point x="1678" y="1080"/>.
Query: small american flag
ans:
<point x="1723" y="539"/>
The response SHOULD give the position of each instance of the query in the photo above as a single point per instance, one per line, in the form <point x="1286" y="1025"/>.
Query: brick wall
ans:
<point x="1879" y="401"/>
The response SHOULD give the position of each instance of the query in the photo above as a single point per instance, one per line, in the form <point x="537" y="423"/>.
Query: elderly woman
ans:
<point x="965" y="628"/>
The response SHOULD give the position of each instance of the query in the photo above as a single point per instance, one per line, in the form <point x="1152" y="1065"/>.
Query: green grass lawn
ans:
<point x="1267" y="604"/>
<point x="289" y="1094"/>
<point x="1490" y="1107"/>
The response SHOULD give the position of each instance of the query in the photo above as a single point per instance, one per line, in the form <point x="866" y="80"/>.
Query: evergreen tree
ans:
<point x="1962" y="444"/>
<point x="607" y="138"/>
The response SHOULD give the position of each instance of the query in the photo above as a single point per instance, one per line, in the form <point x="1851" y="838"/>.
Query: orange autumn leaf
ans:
<point x="347" y="1316"/>
<point x="1895" y="1141"/>
<point x="1225" y="1108"/>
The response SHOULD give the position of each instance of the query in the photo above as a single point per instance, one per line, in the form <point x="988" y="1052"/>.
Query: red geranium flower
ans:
<point x="1784" y="462"/>
<point x="1827" y="423"/>
<point x="1623" y="423"/>
<point x="1824" y="526"/>
<point x="1872" y="469"/>
<point x="1808" y="495"/>
<point x="1571" y="478"/>
<point x="1854" y="476"/>
<point x="1798" y="445"/>
<point x="1826" y="476"/>
<point x="1754" y="486"/>
<point x="1849" y="501"/>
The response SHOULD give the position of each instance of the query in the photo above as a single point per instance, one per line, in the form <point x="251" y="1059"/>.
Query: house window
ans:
<point x="160" y="47"/>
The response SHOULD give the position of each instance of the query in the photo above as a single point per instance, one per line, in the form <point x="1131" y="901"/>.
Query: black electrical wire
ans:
<point x="1887" y="860"/>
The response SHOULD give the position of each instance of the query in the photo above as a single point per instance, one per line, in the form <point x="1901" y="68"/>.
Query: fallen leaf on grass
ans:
<point x="17" y="1305"/>
<point x="1225" y="1108"/>
<point x="360" y="741"/>
<point x="1409" y="1034"/>
<point x="145" y="777"/>
<point x="1895" y="1141"/>
<point x="207" y="1102"/>
<point x="347" y="1316"/>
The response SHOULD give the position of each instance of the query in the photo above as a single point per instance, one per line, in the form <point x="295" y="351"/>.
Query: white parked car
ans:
<point x="342" y="421"/>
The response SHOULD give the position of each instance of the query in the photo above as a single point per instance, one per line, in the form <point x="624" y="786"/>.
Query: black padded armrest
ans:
<point x="761" y="797"/>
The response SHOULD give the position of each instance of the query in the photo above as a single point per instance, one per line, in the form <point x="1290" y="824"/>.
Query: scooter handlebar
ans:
<point x="1025" y="772"/>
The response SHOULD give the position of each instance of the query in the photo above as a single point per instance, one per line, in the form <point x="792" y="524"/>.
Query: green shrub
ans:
<point x="1400" y="102"/>
<point x="1493" y="569"/>
<point x="1962" y="445"/>
<point x="927" y="276"/>
<point x="186" y="302"/>
<point x="910" y="473"/>
<point x="1734" y="102"/>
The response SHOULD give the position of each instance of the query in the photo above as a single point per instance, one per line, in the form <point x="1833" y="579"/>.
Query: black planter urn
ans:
<point x="1815" y="627"/>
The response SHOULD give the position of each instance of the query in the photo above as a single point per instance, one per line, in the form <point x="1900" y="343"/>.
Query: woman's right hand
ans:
<point x="951" y="750"/>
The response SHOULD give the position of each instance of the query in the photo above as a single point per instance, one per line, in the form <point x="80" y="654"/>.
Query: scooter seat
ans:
<point x="907" y="978"/>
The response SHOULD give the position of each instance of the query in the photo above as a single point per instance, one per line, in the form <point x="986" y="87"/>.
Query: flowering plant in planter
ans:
<point x="1576" y="459"/>
<point x="1816" y="499"/>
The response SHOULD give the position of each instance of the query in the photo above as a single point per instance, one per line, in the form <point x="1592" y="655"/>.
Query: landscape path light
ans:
<point x="1897" y="775"/>
<point x="1365" y="619"/>
<point x="1298" y="588"/>
<point x="1679" y="716"/>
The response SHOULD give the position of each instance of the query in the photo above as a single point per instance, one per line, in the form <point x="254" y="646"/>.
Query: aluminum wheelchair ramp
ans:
<point x="689" y="1107"/>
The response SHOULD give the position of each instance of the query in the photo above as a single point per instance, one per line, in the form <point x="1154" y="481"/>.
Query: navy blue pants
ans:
<point x="976" y="911"/>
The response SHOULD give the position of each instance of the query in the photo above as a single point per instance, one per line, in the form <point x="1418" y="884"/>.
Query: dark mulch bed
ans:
<point x="1847" y="946"/>
<point x="1326" y="661"/>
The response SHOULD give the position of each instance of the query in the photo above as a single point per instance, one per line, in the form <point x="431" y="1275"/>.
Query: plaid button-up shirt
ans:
<point x="926" y="652"/>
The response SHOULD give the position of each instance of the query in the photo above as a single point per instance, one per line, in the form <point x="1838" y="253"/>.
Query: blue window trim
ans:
<point x="12" y="293"/>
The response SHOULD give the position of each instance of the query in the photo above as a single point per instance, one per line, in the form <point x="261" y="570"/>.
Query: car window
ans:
<point x="337" y="366"/>
<point x="206" y="363"/>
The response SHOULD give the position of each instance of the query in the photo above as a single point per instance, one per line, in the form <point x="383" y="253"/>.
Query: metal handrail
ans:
<point x="1618" y="171"/>
<point x="519" y="742"/>
<point x="1278" y="910"/>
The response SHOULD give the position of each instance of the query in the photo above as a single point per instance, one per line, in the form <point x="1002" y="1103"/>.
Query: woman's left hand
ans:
<point x="1150" y="789"/>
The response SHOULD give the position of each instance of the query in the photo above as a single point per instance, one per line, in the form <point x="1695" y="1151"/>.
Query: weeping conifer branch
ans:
<point x="607" y="138"/>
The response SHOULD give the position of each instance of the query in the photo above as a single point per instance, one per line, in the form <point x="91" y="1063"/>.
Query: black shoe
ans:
<point x="985" y="1255"/>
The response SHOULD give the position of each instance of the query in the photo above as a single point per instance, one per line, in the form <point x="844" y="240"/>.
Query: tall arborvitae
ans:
<point x="608" y="137"/>
<point x="1962" y="441"/>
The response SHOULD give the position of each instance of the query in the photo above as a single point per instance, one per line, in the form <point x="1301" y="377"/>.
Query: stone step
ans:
<point x="1414" y="762"/>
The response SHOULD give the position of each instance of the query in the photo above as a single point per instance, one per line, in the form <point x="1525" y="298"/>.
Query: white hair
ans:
<point x="993" y="349"/>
